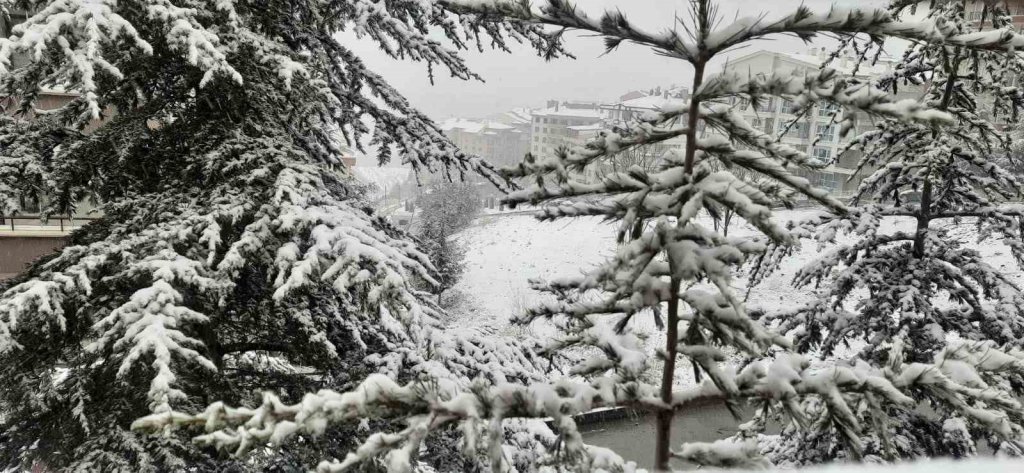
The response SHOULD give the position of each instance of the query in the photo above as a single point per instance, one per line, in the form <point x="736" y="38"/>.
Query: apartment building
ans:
<point x="499" y="143"/>
<point x="976" y="12"/>
<point x="564" y="124"/>
<point x="816" y="131"/>
<point x="633" y="105"/>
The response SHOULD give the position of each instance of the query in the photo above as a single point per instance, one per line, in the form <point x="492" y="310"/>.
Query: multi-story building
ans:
<point x="976" y="12"/>
<point x="564" y="124"/>
<point x="814" y="131"/>
<point x="634" y="104"/>
<point x="499" y="143"/>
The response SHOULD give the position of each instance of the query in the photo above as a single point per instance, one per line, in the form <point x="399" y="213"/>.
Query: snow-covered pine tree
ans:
<point x="673" y="265"/>
<point x="909" y="279"/>
<point x="234" y="255"/>
<point x="446" y="208"/>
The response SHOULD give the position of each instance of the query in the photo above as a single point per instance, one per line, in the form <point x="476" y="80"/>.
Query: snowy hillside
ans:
<point x="505" y="251"/>
<point x="382" y="176"/>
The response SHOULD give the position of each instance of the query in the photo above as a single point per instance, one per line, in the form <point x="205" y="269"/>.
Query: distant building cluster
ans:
<point x="506" y="138"/>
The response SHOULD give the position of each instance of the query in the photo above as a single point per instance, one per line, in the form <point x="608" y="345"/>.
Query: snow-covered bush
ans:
<point x="667" y="267"/>
<point x="446" y="208"/>
<point x="234" y="255"/>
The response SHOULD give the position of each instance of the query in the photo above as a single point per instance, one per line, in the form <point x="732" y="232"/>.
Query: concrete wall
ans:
<point x="16" y="252"/>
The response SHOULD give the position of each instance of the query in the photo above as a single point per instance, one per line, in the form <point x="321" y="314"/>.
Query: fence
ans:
<point x="25" y="223"/>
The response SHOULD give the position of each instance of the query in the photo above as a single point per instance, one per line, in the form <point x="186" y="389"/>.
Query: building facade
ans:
<point x="499" y="143"/>
<point x="976" y="12"/>
<point x="564" y="124"/>
<point x="815" y="131"/>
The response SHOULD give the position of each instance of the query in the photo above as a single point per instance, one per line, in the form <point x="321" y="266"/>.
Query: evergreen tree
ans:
<point x="907" y="286"/>
<point x="667" y="266"/>
<point x="446" y="209"/>
<point x="234" y="254"/>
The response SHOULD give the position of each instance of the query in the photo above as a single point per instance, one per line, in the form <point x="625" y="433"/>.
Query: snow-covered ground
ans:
<point x="504" y="251"/>
<point x="384" y="177"/>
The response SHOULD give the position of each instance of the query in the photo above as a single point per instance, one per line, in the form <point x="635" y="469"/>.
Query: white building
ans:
<point x="564" y="124"/>
<point x="631" y="106"/>
<point x="815" y="132"/>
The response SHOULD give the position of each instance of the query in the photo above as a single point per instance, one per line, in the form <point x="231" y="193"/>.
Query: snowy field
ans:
<point x="504" y="251"/>
<point x="383" y="177"/>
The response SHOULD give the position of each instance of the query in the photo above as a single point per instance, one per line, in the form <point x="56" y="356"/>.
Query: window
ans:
<point x="767" y="105"/>
<point x="823" y="154"/>
<point x="827" y="109"/>
<point x="826" y="132"/>
<point x="769" y="125"/>
<point x="799" y="130"/>
<point x="16" y="17"/>
<point x="825" y="180"/>
<point x="18" y="59"/>
<point x="788" y="107"/>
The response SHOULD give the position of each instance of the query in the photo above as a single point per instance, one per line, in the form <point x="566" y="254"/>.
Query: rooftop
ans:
<point x="651" y="102"/>
<point x="815" y="57"/>
<point x="570" y="112"/>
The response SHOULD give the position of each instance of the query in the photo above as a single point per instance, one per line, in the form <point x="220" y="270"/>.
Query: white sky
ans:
<point x="523" y="79"/>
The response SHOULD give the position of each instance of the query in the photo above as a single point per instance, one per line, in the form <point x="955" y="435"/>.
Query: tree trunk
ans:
<point x="924" y="216"/>
<point x="662" y="452"/>
<point x="923" y="219"/>
<point x="664" y="420"/>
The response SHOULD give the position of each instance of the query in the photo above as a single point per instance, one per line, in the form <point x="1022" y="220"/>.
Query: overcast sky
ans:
<point x="523" y="79"/>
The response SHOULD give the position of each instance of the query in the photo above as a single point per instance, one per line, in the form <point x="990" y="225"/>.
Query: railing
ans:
<point x="29" y="223"/>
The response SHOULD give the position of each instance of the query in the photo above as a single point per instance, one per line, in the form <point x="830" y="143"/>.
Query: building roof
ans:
<point x="570" y="112"/>
<point x="591" y="127"/>
<point x="815" y="57"/>
<point x="488" y="127"/>
<point x="650" y="102"/>
<point x="516" y="116"/>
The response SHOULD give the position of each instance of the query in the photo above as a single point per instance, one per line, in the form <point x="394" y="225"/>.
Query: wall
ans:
<point x="16" y="252"/>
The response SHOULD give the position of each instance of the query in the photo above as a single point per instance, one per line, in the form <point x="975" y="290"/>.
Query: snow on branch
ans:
<point x="81" y="30"/>
<point x="431" y="405"/>
<point x="852" y="21"/>
<point x="766" y="165"/>
<point x="824" y="85"/>
<point x="565" y="14"/>
<point x="699" y="47"/>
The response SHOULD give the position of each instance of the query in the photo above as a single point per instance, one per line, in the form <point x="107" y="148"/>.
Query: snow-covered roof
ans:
<point x="516" y="116"/>
<point x="815" y="59"/>
<point x="493" y="125"/>
<point x="650" y="102"/>
<point x="473" y="126"/>
<point x="591" y="127"/>
<point x="461" y="124"/>
<point x="570" y="112"/>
